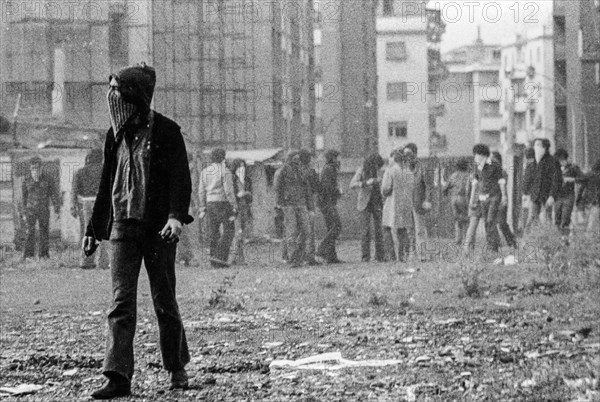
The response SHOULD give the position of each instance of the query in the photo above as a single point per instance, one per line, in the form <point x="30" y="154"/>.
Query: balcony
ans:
<point x="490" y="123"/>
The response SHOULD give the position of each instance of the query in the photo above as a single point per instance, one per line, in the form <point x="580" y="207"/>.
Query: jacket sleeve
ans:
<point x="527" y="177"/>
<point x="229" y="186"/>
<point x="180" y="181"/>
<point x="75" y="191"/>
<point x="202" y="192"/>
<point x="55" y="193"/>
<point x="357" y="181"/>
<point x="556" y="179"/>
<point x="96" y="225"/>
<point x="278" y="186"/>
<point x="24" y="192"/>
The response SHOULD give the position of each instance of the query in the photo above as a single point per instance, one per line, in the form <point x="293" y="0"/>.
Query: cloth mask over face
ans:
<point x="120" y="111"/>
<point x="133" y="95"/>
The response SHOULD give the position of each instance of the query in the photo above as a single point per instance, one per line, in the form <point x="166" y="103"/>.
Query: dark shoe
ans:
<point x="335" y="261"/>
<point x="113" y="389"/>
<point x="179" y="380"/>
<point x="313" y="263"/>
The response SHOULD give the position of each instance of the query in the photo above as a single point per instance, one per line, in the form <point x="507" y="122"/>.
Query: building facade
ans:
<point x="402" y="70"/>
<point x="346" y="76"/>
<point x="528" y="88"/>
<point x="577" y="70"/>
<point x="471" y="97"/>
<point x="232" y="73"/>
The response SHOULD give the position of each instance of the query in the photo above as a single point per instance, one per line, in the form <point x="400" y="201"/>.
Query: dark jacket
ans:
<point x="291" y="186"/>
<point x="37" y="195"/>
<point x="330" y="191"/>
<point x="545" y="179"/>
<point x="567" y="189"/>
<point x="169" y="189"/>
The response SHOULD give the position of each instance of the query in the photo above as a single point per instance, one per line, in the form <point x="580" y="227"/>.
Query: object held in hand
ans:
<point x="91" y="249"/>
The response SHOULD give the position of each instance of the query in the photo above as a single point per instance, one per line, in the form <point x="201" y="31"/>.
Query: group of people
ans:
<point x="548" y="192"/>
<point x="143" y="200"/>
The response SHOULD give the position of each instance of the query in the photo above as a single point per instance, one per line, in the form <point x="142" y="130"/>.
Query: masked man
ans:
<point x="142" y="203"/>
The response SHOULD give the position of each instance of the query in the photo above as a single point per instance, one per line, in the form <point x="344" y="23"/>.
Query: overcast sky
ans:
<point x="499" y="20"/>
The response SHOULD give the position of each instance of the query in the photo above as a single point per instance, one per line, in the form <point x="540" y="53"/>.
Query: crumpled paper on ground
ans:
<point x="22" y="389"/>
<point x="329" y="361"/>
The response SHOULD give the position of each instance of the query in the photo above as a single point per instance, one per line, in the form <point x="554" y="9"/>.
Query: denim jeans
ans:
<point x="130" y="244"/>
<point x="296" y="232"/>
<point x="219" y="214"/>
<point x="563" y="208"/>
<point x="333" y="225"/>
<point x="43" y="219"/>
<point x="489" y="211"/>
<point x="371" y="212"/>
<point x="504" y="227"/>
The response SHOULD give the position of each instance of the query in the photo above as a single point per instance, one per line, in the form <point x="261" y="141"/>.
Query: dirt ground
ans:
<point x="458" y="329"/>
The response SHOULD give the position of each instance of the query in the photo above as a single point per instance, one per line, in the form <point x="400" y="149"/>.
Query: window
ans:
<point x="490" y="109"/>
<point x="398" y="129"/>
<point x="388" y="8"/>
<point x="395" y="51"/>
<point x="396" y="91"/>
<point x="497" y="54"/>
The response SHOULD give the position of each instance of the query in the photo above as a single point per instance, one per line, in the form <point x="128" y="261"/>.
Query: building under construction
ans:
<point x="231" y="72"/>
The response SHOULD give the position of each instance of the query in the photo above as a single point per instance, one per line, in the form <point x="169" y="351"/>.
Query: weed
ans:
<point x="221" y="299"/>
<point x="470" y="279"/>
<point x="377" y="300"/>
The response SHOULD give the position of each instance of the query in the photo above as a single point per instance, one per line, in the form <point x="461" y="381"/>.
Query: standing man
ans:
<point x="217" y="201"/>
<point x="38" y="191"/>
<point x="563" y="207"/>
<point x="544" y="181"/>
<point x="526" y="191"/>
<point x="83" y="195"/>
<point x="329" y="196"/>
<point x="142" y="203"/>
<point x="421" y="202"/>
<point x="489" y="180"/>
<point x="293" y="198"/>
<point x="312" y="181"/>
<point x="503" y="208"/>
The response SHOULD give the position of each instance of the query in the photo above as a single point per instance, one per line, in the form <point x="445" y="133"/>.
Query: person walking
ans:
<point x="525" y="211"/>
<point x="458" y="188"/>
<point x="565" y="202"/>
<point x="489" y="180"/>
<point x="218" y="204"/>
<point x="503" y="226"/>
<point x="421" y="202"/>
<point x="311" y="177"/>
<point x="83" y="195"/>
<point x="370" y="206"/>
<point x="397" y="188"/>
<point x="242" y="187"/>
<point x="293" y="198"/>
<point x="590" y="191"/>
<point x="544" y="181"/>
<point x="141" y="206"/>
<point x="39" y="191"/>
<point x="328" y="199"/>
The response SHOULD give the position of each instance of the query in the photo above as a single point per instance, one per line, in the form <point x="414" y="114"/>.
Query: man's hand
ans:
<point x="89" y="245"/>
<point x="504" y="201"/>
<point x="426" y="205"/>
<point x="202" y="214"/>
<point x="171" y="231"/>
<point x="550" y="201"/>
<point x="370" y="182"/>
